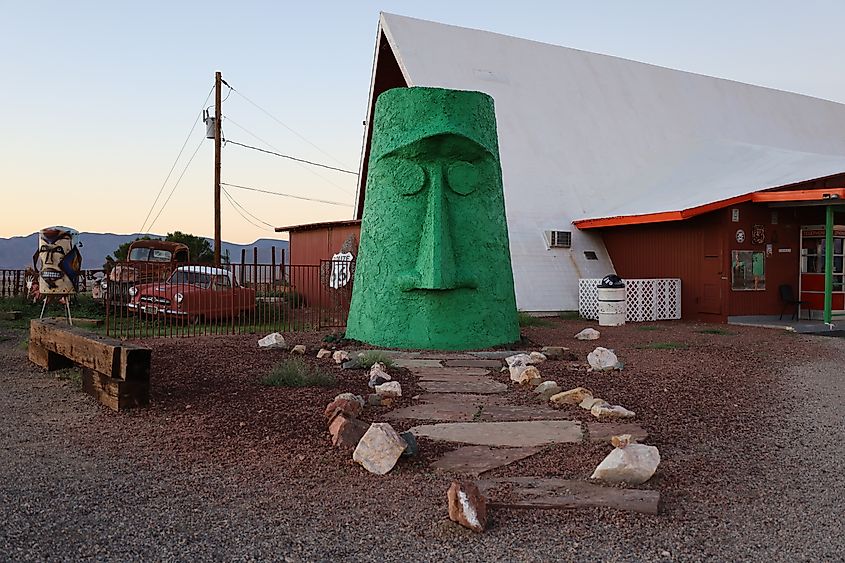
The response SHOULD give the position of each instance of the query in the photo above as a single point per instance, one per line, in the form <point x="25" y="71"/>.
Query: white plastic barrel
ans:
<point x="612" y="306"/>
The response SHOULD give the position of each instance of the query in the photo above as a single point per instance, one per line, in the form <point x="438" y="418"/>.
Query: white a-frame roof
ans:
<point x="588" y="136"/>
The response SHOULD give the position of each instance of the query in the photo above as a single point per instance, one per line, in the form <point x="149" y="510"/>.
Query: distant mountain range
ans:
<point x="16" y="252"/>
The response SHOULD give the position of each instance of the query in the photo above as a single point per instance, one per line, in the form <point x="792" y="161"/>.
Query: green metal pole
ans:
<point x="828" y="264"/>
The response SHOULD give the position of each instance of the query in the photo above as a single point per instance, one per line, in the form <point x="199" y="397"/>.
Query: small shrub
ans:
<point x="73" y="375"/>
<point x="530" y="320"/>
<point x="294" y="372"/>
<point x="367" y="360"/>
<point x="664" y="346"/>
<point x="714" y="331"/>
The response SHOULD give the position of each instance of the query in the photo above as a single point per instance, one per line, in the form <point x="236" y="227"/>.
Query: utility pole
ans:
<point x="218" y="110"/>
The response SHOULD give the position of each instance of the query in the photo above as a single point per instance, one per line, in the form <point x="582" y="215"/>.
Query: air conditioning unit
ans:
<point x="559" y="239"/>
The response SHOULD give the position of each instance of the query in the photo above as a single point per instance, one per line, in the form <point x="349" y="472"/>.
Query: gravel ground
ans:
<point x="749" y="425"/>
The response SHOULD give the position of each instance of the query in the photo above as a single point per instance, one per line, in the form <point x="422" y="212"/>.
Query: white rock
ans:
<point x="389" y="389"/>
<point x="323" y="353"/>
<point x="526" y="375"/>
<point x="536" y="358"/>
<point x="298" y="349"/>
<point x="378" y="371"/>
<point x="518" y="360"/>
<point x="340" y="356"/>
<point x="605" y="411"/>
<point x="274" y="340"/>
<point x="602" y="359"/>
<point x="379" y="449"/>
<point x="589" y="402"/>
<point x="352" y="397"/>
<point x="572" y="397"/>
<point x="547" y="387"/>
<point x="633" y="464"/>
<point x="588" y="334"/>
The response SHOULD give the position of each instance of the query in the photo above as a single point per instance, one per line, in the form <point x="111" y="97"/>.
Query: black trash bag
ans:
<point x="612" y="280"/>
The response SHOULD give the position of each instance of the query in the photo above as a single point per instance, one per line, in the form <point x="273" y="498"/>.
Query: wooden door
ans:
<point x="711" y="274"/>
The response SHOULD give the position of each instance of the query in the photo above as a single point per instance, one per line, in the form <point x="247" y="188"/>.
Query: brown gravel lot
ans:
<point x="748" y="422"/>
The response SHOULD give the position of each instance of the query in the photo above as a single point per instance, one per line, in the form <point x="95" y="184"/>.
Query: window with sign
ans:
<point x="748" y="270"/>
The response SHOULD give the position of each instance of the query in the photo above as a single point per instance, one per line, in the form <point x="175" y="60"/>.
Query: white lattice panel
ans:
<point x="654" y="299"/>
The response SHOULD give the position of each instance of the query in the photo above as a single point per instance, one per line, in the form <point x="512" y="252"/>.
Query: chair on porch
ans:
<point x="788" y="298"/>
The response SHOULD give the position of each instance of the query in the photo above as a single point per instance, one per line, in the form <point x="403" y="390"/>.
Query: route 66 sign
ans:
<point x="740" y="236"/>
<point x="758" y="234"/>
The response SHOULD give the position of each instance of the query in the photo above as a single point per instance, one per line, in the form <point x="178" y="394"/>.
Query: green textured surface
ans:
<point x="434" y="268"/>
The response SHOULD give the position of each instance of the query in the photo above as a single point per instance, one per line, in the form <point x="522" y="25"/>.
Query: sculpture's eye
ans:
<point x="463" y="177"/>
<point x="404" y="176"/>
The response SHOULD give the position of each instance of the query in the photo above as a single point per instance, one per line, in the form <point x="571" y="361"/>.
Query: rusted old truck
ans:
<point x="147" y="261"/>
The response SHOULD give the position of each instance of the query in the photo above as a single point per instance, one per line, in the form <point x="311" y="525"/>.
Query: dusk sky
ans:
<point x="99" y="97"/>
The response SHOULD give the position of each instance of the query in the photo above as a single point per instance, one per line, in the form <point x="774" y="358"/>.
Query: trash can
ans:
<point x="612" y="301"/>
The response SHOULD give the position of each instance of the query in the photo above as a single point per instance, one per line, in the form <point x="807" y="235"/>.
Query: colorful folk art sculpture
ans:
<point x="434" y="268"/>
<point x="60" y="261"/>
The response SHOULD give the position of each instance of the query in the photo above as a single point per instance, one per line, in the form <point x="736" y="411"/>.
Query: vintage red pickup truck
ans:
<point x="193" y="294"/>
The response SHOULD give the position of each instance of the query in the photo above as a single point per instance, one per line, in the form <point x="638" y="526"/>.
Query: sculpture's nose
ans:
<point x="436" y="260"/>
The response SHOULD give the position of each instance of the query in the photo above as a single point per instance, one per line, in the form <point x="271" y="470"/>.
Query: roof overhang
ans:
<point x="315" y="226"/>
<point x="822" y="195"/>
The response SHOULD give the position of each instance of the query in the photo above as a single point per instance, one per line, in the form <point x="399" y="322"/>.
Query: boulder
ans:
<point x="608" y="412"/>
<point x="378" y="375"/>
<point x="274" y="340"/>
<point x="340" y="356"/>
<point x="323" y="353"/>
<point x="536" y="358"/>
<point x="602" y="359"/>
<point x="588" y="334"/>
<point x="389" y="389"/>
<point x="633" y="464"/>
<point x="518" y="360"/>
<point x="547" y="389"/>
<point x="467" y="505"/>
<point x="412" y="448"/>
<point x="374" y="400"/>
<point x="298" y="349"/>
<point x="351" y="397"/>
<point x="526" y="375"/>
<point x="347" y="431"/>
<point x="379" y="448"/>
<point x="348" y="407"/>
<point x="572" y="397"/>
<point x="589" y="402"/>
<point x="558" y="353"/>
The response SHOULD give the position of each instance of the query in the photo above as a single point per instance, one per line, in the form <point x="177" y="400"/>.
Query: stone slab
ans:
<point x="553" y="493"/>
<point x="443" y="373"/>
<point x="466" y="411"/>
<point x="475" y="460"/>
<point x="461" y="398"/>
<point x="477" y="363"/>
<point x="504" y="434"/>
<point x="416" y="363"/>
<point x="481" y="385"/>
<point x="449" y="375"/>
<point x="496" y="354"/>
<point x="604" y="431"/>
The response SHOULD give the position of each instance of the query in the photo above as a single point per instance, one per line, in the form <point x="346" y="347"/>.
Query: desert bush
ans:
<point x="295" y="372"/>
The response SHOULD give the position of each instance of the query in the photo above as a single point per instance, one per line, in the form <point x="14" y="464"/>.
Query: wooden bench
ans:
<point x="116" y="373"/>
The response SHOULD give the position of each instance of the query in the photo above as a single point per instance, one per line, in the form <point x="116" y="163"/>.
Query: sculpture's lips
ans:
<point x="51" y="274"/>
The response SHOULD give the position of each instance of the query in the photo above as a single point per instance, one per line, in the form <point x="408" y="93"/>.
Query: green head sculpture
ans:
<point x="434" y="269"/>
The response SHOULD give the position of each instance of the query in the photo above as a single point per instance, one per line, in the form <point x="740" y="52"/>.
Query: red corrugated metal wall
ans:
<point x="311" y="246"/>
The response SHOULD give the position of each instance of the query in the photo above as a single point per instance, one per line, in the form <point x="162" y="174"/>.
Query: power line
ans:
<point x="306" y="168"/>
<point x="280" y="122"/>
<point x="285" y="195"/>
<point x="158" y="195"/>
<point x="291" y="157"/>
<point x="237" y="205"/>
<point x="177" y="182"/>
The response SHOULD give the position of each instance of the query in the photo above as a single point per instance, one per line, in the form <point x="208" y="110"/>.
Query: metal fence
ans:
<point x="155" y="300"/>
<point x="13" y="283"/>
